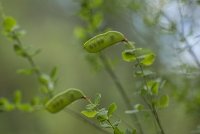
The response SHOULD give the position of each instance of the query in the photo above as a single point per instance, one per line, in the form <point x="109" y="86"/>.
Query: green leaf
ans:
<point x="135" y="6"/>
<point x="97" y="19"/>
<point x="148" y="59"/>
<point x="35" y="101"/>
<point x="25" y="107"/>
<point x="17" y="97"/>
<point x="6" y="105"/>
<point x="143" y="73"/>
<point x="9" y="106"/>
<point x="117" y="131"/>
<point x="111" y="109"/>
<point x="116" y="123"/>
<point x="164" y="101"/>
<point x="149" y="21"/>
<point x="128" y="55"/>
<point x="53" y="73"/>
<point x="20" y="33"/>
<point x="102" y="115"/>
<point x="131" y="111"/>
<point x="9" y="24"/>
<point x="134" y="131"/>
<point x="91" y="106"/>
<point x="20" y="51"/>
<point x="80" y="32"/>
<point x="97" y="99"/>
<point x="46" y="80"/>
<point x="143" y="91"/>
<point x="105" y="125"/>
<point x="153" y="86"/>
<point x="139" y="107"/>
<point x="89" y="114"/>
<point x="34" y="52"/>
<point x="95" y="3"/>
<point x="26" y="71"/>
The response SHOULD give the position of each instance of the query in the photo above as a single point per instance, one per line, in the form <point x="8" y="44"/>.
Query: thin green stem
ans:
<point x="120" y="89"/>
<point x="30" y="60"/>
<point x="111" y="124"/>
<point x="93" y="124"/>
<point x="39" y="73"/>
<point x="157" y="119"/>
<point x="112" y="73"/>
<point x="148" y="103"/>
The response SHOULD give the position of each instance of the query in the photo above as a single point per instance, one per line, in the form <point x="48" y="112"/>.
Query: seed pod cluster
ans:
<point x="63" y="99"/>
<point x="101" y="41"/>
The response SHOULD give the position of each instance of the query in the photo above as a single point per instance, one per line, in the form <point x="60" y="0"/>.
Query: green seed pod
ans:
<point x="63" y="99"/>
<point x="101" y="41"/>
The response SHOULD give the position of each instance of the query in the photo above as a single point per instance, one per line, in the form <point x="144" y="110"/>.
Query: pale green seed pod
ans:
<point x="101" y="41"/>
<point x="63" y="99"/>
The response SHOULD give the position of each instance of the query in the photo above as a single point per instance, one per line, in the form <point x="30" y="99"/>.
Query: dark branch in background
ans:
<point x="182" y="33"/>
<point x="187" y="43"/>
<point x="105" y="62"/>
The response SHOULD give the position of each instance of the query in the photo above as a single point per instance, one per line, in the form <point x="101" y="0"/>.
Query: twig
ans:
<point x="38" y="73"/>
<point x="79" y="117"/>
<point x="150" y="105"/>
<point x="191" y="52"/>
<point x="29" y="58"/>
<point x="120" y="89"/>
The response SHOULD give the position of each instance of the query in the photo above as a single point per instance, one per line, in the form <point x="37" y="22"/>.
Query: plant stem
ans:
<point x="188" y="45"/>
<point x="150" y="105"/>
<point x="111" y="124"/>
<point x="38" y="73"/>
<point x="157" y="119"/>
<point x="78" y="115"/>
<point x="30" y="60"/>
<point x="120" y="89"/>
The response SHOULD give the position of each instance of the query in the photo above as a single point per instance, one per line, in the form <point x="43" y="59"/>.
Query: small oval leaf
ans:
<point x="129" y="56"/>
<point x="148" y="59"/>
<point x="164" y="101"/>
<point x="89" y="114"/>
<point x="112" y="108"/>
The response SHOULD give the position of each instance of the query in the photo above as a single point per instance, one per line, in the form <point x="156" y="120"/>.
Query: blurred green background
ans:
<point x="50" y="26"/>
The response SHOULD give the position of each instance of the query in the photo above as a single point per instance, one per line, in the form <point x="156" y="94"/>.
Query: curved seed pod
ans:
<point x="101" y="41"/>
<point x="63" y="99"/>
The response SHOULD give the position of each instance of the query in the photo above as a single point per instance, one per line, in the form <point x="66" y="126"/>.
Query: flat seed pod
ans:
<point x="63" y="99"/>
<point x="101" y="41"/>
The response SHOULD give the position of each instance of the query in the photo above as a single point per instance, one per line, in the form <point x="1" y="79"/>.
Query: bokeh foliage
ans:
<point x="169" y="28"/>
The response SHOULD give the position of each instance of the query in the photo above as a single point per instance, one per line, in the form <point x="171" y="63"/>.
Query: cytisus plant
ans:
<point x="50" y="101"/>
<point x="142" y="58"/>
<point x="54" y="103"/>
